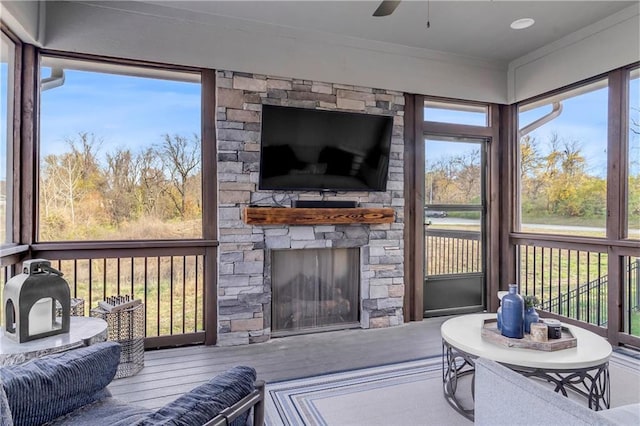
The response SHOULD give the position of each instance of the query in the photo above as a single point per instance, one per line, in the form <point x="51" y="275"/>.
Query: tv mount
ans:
<point x="324" y="204"/>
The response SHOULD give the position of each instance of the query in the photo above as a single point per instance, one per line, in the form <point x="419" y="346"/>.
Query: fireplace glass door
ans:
<point x="314" y="289"/>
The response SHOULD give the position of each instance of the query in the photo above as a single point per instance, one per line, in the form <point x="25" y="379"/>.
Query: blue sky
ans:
<point x="123" y="111"/>
<point x="584" y="120"/>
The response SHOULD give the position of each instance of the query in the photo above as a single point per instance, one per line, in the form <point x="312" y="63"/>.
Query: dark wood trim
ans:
<point x="628" y="250"/>
<point x="493" y="203"/>
<point x="316" y="216"/>
<point x="414" y="208"/>
<point x="409" y="208"/>
<point x="616" y="156"/>
<point x="209" y="154"/>
<point x="209" y="204"/>
<point x="419" y="200"/>
<point x="491" y="178"/>
<point x="123" y="245"/>
<point x="211" y="296"/>
<point x="508" y="141"/>
<point x="115" y="253"/>
<point x="629" y="340"/>
<point x="9" y="250"/>
<point x="11" y="261"/>
<point x="616" y="198"/>
<point x="565" y="241"/>
<point x="9" y="33"/>
<point x="615" y="297"/>
<point x="174" y="340"/>
<point x="28" y="152"/>
<point x="16" y="131"/>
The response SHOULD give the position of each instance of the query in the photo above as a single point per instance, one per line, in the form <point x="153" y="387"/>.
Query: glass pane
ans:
<point x="453" y="172"/>
<point x="7" y="63"/>
<point x="315" y="288"/>
<point x="633" y="225"/>
<point x="632" y="295"/>
<point x="563" y="163"/>
<point x="447" y="112"/>
<point x="453" y="243"/>
<point x="120" y="153"/>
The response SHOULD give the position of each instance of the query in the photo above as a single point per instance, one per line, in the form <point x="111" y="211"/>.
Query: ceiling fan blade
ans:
<point x="386" y="8"/>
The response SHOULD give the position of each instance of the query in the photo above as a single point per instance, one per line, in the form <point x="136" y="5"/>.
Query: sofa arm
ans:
<point x="503" y="396"/>
<point x="254" y="400"/>
<point x="205" y="402"/>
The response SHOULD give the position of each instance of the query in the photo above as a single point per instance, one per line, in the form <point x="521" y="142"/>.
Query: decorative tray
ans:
<point x="491" y="333"/>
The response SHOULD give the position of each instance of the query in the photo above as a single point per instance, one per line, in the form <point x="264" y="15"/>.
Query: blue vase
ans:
<point x="513" y="314"/>
<point x="530" y="316"/>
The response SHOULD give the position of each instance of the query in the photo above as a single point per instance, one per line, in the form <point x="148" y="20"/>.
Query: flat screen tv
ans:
<point x="316" y="150"/>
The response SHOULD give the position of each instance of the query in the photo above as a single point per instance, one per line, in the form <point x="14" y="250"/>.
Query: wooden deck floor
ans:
<point x="168" y="373"/>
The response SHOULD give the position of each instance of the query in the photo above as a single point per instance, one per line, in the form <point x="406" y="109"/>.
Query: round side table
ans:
<point x="83" y="331"/>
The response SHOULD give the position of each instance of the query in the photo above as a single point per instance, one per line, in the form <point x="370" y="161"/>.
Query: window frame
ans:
<point x="614" y="244"/>
<point x="207" y="148"/>
<point x="543" y="100"/>
<point x="625" y="155"/>
<point x="12" y="248"/>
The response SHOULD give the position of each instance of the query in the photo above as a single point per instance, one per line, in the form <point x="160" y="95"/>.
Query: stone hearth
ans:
<point x="244" y="276"/>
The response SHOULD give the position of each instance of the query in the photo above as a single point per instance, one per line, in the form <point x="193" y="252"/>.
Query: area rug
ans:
<point x="408" y="393"/>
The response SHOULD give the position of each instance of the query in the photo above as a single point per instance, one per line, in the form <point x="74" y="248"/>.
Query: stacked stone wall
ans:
<point x="244" y="279"/>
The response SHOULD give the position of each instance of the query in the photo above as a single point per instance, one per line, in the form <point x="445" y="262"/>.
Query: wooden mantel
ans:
<point x="316" y="216"/>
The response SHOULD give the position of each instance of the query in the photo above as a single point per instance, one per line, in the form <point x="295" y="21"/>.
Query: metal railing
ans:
<point x="594" y="307"/>
<point x="170" y="286"/>
<point x="452" y="252"/>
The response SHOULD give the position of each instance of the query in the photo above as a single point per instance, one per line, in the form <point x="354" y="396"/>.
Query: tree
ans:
<point x="181" y="161"/>
<point x="71" y="187"/>
<point x="454" y="179"/>
<point x="557" y="182"/>
<point x="121" y="186"/>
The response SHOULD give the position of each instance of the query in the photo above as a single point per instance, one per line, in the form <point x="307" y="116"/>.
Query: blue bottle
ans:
<point x="513" y="314"/>
<point x="530" y="316"/>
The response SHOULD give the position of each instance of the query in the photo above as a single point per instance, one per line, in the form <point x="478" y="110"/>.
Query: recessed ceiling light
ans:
<point x="521" y="24"/>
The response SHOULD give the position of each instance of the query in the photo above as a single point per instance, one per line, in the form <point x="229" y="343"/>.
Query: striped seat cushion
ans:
<point x="5" y="412"/>
<point x="54" y="385"/>
<point x="207" y="400"/>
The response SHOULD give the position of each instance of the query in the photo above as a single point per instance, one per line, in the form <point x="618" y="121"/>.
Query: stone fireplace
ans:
<point x="245" y="253"/>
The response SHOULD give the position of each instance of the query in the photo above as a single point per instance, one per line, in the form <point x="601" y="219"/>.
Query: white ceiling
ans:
<point x="478" y="28"/>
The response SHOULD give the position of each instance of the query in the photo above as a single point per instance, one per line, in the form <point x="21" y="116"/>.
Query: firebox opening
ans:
<point x="315" y="290"/>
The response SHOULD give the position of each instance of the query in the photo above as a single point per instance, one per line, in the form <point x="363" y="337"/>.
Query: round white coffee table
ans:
<point x="83" y="331"/>
<point x="583" y="369"/>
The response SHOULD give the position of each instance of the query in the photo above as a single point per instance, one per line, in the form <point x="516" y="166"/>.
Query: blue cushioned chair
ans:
<point x="70" y="388"/>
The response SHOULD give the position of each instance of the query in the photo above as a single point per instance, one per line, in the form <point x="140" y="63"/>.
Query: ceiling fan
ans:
<point x="386" y="7"/>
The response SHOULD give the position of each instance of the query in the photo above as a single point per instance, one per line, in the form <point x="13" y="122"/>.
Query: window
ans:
<point x="120" y="152"/>
<point x="456" y="113"/>
<point x="633" y="188"/>
<point x="563" y="162"/>
<point x="7" y="65"/>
